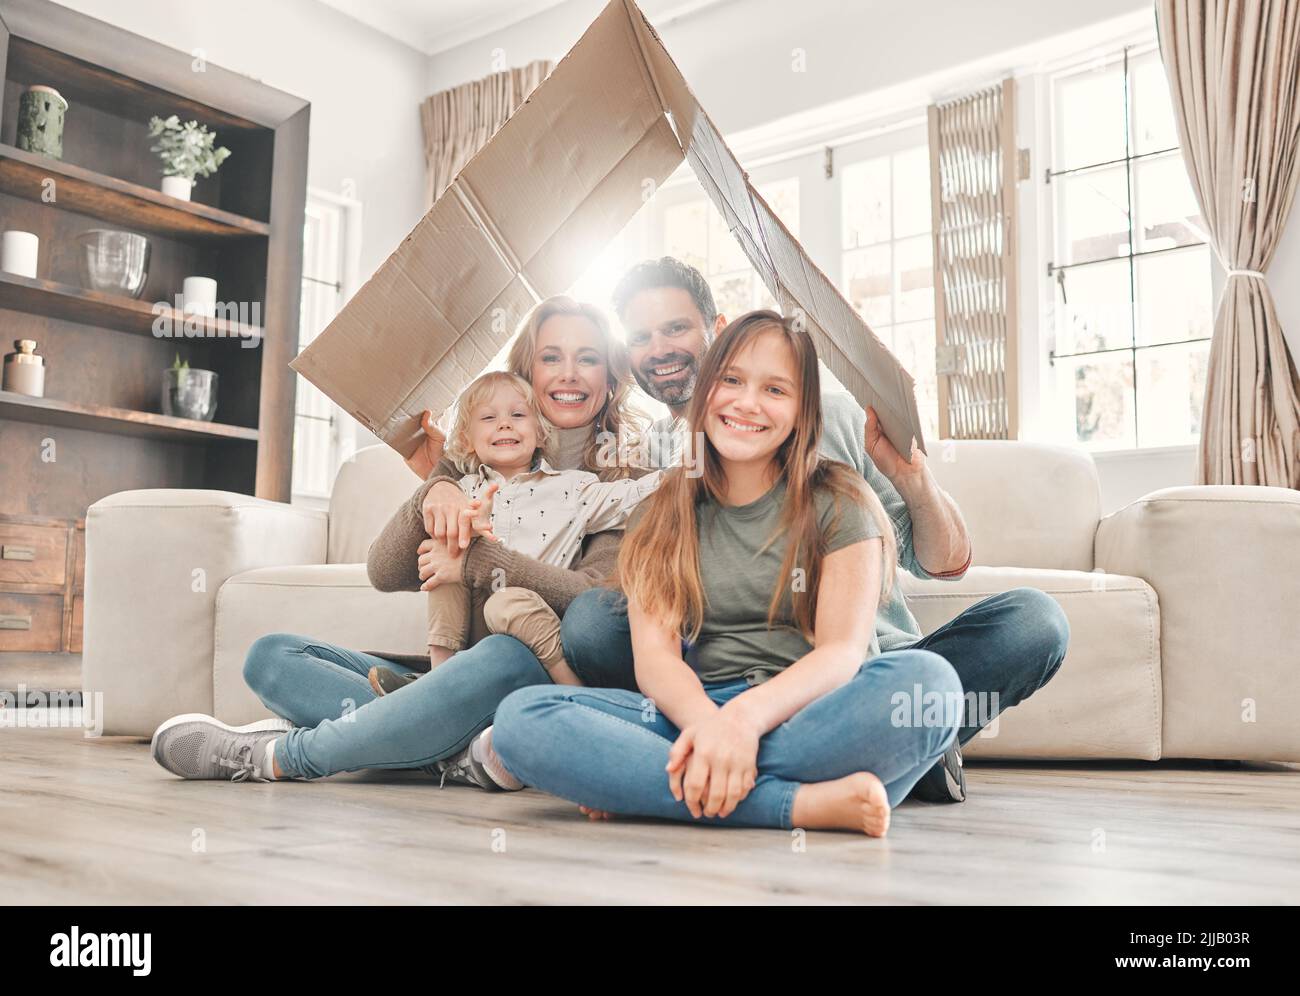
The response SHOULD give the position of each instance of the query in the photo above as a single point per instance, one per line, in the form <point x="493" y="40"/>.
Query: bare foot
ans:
<point x="595" y="814"/>
<point x="854" y="802"/>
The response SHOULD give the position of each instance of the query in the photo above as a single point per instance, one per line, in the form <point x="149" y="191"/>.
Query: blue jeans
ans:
<point x="607" y="748"/>
<point x="1009" y="644"/>
<point x="342" y="725"/>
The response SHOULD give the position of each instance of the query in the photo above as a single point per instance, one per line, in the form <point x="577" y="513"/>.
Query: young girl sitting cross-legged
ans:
<point x="499" y="441"/>
<point x="782" y="712"/>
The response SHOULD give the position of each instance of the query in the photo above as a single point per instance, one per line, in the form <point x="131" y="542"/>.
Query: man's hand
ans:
<point x="713" y="764"/>
<point x="940" y="542"/>
<point x="429" y="453"/>
<point x="886" y="457"/>
<point x="438" y="566"/>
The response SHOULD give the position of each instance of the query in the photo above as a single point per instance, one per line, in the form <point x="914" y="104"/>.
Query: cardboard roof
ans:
<point x="529" y="212"/>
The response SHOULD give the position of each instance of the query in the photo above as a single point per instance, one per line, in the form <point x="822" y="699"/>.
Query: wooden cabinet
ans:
<point x="42" y="578"/>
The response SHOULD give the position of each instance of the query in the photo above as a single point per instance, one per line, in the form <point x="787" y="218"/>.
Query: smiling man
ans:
<point x="1004" y="648"/>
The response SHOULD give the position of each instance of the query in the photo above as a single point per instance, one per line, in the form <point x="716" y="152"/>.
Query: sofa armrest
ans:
<point x="1223" y="561"/>
<point x="155" y="560"/>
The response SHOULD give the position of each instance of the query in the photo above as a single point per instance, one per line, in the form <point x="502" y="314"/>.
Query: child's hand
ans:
<point x="477" y="518"/>
<point x="436" y="566"/>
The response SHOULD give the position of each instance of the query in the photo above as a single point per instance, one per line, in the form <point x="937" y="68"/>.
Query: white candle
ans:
<point x="200" y="296"/>
<point x="18" y="254"/>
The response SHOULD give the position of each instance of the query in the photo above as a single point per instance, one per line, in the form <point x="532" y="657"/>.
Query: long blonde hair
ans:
<point x="615" y="416"/>
<point x="459" y="450"/>
<point x="659" y="562"/>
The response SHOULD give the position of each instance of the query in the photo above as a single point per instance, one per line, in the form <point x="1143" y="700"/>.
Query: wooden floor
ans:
<point x="96" y="821"/>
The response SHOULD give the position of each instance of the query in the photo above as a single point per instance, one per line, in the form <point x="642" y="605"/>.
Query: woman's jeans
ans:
<point x="607" y="748"/>
<point x="1004" y="648"/>
<point x="344" y="726"/>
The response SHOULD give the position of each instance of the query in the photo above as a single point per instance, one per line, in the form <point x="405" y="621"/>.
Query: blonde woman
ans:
<point x="771" y="566"/>
<point x="332" y="719"/>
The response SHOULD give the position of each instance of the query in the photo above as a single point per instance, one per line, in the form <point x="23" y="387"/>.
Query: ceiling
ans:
<point x="434" y="26"/>
<point x="437" y="25"/>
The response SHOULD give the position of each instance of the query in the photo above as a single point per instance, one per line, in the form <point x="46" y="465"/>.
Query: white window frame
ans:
<point x="342" y="443"/>
<point x="1038" y="248"/>
<point x="903" y="136"/>
<point x="846" y="141"/>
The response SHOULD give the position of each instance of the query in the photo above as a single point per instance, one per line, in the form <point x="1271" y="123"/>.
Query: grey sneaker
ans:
<point x="469" y="767"/>
<point x="193" y="745"/>
<point x="946" y="781"/>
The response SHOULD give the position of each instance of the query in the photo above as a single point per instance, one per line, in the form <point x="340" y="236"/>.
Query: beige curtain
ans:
<point x="458" y="122"/>
<point x="1234" y="73"/>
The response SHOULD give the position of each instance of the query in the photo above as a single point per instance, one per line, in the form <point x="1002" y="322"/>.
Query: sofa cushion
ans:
<point x="1105" y="701"/>
<point x="331" y="603"/>
<point x="1025" y="504"/>
<point x="155" y="562"/>
<point x="367" y="490"/>
<point x="1224" y="560"/>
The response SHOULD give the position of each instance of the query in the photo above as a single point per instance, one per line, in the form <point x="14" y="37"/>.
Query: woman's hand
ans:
<point x="442" y="510"/>
<point x="439" y="566"/>
<point x="713" y="764"/>
<point x="429" y="453"/>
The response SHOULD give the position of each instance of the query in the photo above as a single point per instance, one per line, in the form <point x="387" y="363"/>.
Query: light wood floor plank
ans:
<point x="96" y="821"/>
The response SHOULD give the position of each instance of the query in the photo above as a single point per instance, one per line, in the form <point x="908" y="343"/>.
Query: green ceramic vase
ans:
<point x="40" y="121"/>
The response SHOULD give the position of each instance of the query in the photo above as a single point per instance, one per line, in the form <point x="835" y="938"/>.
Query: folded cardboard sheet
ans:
<point x="531" y="210"/>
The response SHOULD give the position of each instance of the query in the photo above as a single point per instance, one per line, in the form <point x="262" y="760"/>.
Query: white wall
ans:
<point x="1284" y="281"/>
<point x="737" y="54"/>
<point x="336" y="63"/>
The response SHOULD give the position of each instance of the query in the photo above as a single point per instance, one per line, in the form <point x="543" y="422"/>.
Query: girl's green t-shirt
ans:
<point x="739" y="576"/>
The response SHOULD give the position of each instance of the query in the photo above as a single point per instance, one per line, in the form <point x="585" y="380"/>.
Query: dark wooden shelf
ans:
<point x="23" y="174"/>
<point x="109" y="311"/>
<point x="83" y="83"/>
<point x="245" y="231"/>
<point x="121" y="421"/>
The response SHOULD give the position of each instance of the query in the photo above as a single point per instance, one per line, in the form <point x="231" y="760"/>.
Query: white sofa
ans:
<point x="1184" y="607"/>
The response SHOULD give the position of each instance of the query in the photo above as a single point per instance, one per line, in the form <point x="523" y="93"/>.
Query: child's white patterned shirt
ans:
<point x="546" y="513"/>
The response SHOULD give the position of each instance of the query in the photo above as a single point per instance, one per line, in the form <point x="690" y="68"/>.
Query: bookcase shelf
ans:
<point x="104" y="418"/>
<point x="110" y="311"/>
<point x="25" y="175"/>
<point x="104" y="360"/>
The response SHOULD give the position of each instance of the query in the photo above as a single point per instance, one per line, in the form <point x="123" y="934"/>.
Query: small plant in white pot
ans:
<point x="187" y="153"/>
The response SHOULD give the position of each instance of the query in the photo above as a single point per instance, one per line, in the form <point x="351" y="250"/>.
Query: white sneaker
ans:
<point x="193" y="745"/>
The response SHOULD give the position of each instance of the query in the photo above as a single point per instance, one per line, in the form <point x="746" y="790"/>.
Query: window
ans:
<point x="888" y="262"/>
<point x="696" y="233"/>
<point x="317" y="448"/>
<point x="1133" y="311"/>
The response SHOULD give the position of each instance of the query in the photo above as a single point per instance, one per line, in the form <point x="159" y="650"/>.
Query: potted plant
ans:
<point x="186" y="151"/>
<point x="189" y="393"/>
